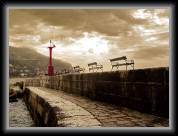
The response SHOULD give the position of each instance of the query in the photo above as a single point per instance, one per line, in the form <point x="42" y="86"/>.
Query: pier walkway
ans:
<point x="84" y="112"/>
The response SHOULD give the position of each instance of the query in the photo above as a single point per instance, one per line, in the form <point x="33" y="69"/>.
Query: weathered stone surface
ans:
<point x="48" y="109"/>
<point x="15" y="92"/>
<point x="145" y="90"/>
<point x="76" y="111"/>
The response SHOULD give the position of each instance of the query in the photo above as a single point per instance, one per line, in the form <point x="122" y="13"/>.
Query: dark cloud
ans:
<point x="109" y="22"/>
<point x="126" y="34"/>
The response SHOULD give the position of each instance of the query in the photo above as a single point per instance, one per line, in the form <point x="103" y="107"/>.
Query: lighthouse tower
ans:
<point x="50" y="66"/>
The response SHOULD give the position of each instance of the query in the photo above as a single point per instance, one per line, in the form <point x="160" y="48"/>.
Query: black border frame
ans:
<point x="4" y="66"/>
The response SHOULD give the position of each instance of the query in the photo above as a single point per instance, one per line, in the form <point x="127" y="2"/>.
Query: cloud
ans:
<point x="109" y="22"/>
<point x="137" y="33"/>
<point x="149" y="53"/>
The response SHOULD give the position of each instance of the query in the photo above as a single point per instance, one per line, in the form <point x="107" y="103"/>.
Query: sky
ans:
<point x="82" y="36"/>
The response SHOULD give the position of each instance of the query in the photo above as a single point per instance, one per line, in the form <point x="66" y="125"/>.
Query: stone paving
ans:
<point x="70" y="114"/>
<point x="105" y="115"/>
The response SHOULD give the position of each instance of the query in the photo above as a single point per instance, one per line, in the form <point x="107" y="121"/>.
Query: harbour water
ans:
<point x="19" y="116"/>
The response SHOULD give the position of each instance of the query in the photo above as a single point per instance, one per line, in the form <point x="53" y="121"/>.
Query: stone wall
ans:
<point x="43" y="114"/>
<point x="50" y="110"/>
<point x="146" y="90"/>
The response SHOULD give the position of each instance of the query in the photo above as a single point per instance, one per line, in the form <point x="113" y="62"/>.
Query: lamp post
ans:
<point x="50" y="66"/>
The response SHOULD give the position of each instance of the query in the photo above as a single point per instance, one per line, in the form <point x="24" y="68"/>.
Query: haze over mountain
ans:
<point x="30" y="58"/>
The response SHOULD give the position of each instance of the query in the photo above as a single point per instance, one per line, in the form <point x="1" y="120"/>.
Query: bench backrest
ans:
<point x="94" y="63"/>
<point x="119" y="58"/>
<point x="130" y="61"/>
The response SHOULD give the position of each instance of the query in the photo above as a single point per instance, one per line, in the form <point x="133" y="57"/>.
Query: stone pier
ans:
<point x="54" y="108"/>
<point x="144" y="90"/>
<point x="50" y="110"/>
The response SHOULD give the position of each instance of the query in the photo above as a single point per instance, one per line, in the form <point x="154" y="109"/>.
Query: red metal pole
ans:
<point x="50" y="66"/>
<point x="50" y="53"/>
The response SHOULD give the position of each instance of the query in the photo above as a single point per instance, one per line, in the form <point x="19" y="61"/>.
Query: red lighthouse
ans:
<point x="50" y="66"/>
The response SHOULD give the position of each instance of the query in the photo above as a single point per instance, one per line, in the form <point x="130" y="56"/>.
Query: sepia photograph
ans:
<point x="89" y="67"/>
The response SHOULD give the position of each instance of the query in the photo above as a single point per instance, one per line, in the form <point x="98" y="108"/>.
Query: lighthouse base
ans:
<point x="50" y="70"/>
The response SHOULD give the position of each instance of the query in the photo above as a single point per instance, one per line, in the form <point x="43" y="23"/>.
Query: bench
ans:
<point x="115" y="62"/>
<point x="78" y="69"/>
<point x="94" y="65"/>
<point x="65" y="71"/>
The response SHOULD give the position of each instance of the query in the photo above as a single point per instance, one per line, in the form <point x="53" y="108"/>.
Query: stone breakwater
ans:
<point x="50" y="107"/>
<point x="145" y="90"/>
<point x="49" y="110"/>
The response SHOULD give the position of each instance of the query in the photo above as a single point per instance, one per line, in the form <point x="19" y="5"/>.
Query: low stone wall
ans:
<point x="146" y="90"/>
<point x="43" y="114"/>
<point x="49" y="110"/>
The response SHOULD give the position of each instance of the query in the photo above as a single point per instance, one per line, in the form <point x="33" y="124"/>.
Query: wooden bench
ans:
<point x="94" y="65"/>
<point x="78" y="69"/>
<point x="115" y="62"/>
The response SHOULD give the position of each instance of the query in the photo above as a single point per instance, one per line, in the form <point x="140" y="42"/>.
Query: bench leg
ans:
<point x="111" y="68"/>
<point x="118" y="67"/>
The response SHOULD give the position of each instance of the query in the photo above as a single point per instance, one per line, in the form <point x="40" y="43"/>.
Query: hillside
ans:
<point x="24" y="57"/>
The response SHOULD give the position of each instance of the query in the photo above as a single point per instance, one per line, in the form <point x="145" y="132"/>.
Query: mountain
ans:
<point x="29" y="58"/>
